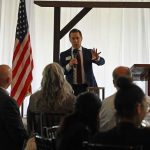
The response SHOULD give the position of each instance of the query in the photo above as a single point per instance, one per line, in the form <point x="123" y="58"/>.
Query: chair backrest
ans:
<point x="96" y="146"/>
<point x="100" y="91"/>
<point x="42" y="120"/>
<point x="50" y="132"/>
<point x="51" y="119"/>
<point x="43" y="143"/>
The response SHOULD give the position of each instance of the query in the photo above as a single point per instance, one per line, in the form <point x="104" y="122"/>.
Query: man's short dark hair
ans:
<point x="75" y="30"/>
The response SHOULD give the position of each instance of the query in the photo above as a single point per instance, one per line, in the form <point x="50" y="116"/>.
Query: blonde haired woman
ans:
<point x="55" y="95"/>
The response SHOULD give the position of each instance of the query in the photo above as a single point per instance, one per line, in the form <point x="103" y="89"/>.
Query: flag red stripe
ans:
<point x="20" y="58"/>
<point x="16" y="50"/>
<point x="21" y="76"/>
<point x="22" y="84"/>
<point x="19" y="51"/>
<point x="25" y="88"/>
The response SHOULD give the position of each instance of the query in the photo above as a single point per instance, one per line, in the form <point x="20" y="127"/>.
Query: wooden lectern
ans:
<point x="141" y="72"/>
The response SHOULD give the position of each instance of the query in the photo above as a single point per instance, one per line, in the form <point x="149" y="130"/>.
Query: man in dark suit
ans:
<point x="77" y="63"/>
<point x="12" y="132"/>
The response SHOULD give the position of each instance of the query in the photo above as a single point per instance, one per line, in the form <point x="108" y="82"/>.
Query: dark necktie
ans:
<point x="79" y="71"/>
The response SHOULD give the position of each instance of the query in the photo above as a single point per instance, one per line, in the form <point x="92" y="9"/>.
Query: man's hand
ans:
<point x="73" y="61"/>
<point x="95" y="54"/>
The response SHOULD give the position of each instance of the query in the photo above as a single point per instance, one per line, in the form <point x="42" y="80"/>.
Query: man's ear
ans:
<point x="8" y="80"/>
<point x="114" y="83"/>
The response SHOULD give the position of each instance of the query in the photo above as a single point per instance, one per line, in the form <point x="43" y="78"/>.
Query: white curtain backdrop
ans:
<point x="122" y="35"/>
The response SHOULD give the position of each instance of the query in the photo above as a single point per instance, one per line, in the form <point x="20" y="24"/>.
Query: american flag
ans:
<point x="22" y="64"/>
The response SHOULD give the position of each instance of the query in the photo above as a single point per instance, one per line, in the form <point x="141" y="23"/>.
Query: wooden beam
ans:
<point x="93" y="4"/>
<point x="56" y="34"/>
<point x="74" y="21"/>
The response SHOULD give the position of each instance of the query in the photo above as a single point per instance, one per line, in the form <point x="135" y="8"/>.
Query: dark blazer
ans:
<point x="12" y="132"/>
<point x="125" y="134"/>
<point x="87" y="63"/>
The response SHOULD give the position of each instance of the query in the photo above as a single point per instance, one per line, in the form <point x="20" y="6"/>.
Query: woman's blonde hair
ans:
<point x="54" y="86"/>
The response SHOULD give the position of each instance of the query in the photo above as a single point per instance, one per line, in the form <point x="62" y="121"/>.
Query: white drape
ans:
<point x="121" y="34"/>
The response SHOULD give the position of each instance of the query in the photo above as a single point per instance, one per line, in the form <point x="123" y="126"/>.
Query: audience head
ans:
<point x="130" y="102"/>
<point x="5" y="76"/>
<point x="75" y="37"/>
<point x="121" y="71"/>
<point x="88" y="105"/>
<point x="54" y="86"/>
<point x="53" y="74"/>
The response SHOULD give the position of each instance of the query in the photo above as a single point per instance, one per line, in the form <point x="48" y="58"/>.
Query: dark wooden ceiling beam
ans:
<point x="56" y="42"/>
<point x="91" y="4"/>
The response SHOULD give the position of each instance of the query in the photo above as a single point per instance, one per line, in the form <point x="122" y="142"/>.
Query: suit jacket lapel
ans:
<point x="68" y="55"/>
<point x="69" y="51"/>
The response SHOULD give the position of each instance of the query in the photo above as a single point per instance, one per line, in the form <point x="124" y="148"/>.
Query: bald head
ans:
<point x="5" y="76"/>
<point x="121" y="71"/>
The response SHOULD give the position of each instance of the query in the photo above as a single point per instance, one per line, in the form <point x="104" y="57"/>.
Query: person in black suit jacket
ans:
<point x="70" y="62"/>
<point x="12" y="131"/>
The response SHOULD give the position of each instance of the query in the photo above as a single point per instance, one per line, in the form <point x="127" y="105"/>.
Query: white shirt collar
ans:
<point x="72" y="48"/>
<point x="4" y="90"/>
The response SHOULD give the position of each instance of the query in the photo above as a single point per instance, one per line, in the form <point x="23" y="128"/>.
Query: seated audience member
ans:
<point x="81" y="124"/>
<point x="31" y="144"/>
<point x="12" y="131"/>
<point x="107" y="114"/>
<point x="131" y="107"/>
<point x="55" y="95"/>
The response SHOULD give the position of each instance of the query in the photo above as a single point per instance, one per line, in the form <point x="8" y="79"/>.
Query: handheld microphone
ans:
<point x="75" y="52"/>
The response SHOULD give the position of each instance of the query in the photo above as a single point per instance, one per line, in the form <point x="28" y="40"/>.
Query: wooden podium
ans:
<point x="141" y="72"/>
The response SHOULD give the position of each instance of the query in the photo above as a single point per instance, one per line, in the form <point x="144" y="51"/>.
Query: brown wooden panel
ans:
<point x="141" y="72"/>
<point x="91" y="4"/>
